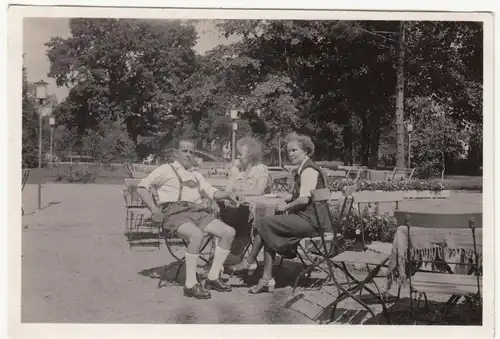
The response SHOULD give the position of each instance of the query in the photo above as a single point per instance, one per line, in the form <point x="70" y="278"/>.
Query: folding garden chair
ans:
<point x="312" y="254"/>
<point x="26" y="174"/>
<point x="355" y="173"/>
<point x="401" y="174"/>
<point x="141" y="230"/>
<point x="457" y="285"/>
<point x="129" y="169"/>
<point x="373" y="260"/>
<point x="336" y="263"/>
<point x="280" y="183"/>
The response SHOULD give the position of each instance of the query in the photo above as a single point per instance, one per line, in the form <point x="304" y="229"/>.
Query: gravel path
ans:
<point x="77" y="268"/>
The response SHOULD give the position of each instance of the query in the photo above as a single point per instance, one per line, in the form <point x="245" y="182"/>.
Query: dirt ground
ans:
<point x="77" y="268"/>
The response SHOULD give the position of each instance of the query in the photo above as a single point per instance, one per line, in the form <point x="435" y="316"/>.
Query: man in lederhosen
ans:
<point x="180" y="191"/>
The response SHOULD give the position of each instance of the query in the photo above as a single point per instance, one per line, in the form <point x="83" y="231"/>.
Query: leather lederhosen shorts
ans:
<point x="181" y="212"/>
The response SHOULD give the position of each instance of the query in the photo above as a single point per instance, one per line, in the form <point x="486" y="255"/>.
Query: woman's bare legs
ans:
<point x="266" y="283"/>
<point x="269" y="256"/>
<point x="256" y="247"/>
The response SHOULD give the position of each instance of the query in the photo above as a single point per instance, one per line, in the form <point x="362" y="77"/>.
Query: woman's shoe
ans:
<point x="244" y="265"/>
<point x="263" y="286"/>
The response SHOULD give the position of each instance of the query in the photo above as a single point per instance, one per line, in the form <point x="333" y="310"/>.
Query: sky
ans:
<point x="37" y="31"/>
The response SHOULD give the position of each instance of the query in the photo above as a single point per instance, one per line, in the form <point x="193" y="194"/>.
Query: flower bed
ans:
<point x="397" y="185"/>
<point x="376" y="226"/>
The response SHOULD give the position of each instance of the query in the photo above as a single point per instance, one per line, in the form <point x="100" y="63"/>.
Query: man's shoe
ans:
<point x="217" y="285"/>
<point x="197" y="292"/>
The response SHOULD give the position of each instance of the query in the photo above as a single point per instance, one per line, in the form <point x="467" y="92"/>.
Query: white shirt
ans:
<point x="165" y="181"/>
<point x="308" y="179"/>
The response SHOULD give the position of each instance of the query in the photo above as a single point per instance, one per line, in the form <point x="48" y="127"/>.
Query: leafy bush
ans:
<point x="397" y="185"/>
<point x="110" y="143"/>
<point x="376" y="226"/>
<point x="77" y="174"/>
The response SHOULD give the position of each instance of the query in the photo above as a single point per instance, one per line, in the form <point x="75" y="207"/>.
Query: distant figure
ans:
<point x="148" y="160"/>
<point x="226" y="152"/>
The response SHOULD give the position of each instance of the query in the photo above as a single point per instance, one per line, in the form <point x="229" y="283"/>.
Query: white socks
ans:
<point x="219" y="258"/>
<point x="191" y="265"/>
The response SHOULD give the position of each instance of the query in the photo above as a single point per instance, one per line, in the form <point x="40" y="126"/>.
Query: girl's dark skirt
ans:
<point x="282" y="233"/>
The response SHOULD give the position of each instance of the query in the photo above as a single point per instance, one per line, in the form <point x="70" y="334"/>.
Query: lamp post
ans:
<point x="409" y="127"/>
<point x="52" y="122"/>
<point x="234" y="117"/>
<point x="41" y="95"/>
<point x="279" y="147"/>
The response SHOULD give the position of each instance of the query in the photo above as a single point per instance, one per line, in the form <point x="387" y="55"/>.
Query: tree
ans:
<point x="400" y="129"/>
<point x="109" y="143"/>
<point x="436" y="136"/>
<point x="120" y="69"/>
<point x="29" y="126"/>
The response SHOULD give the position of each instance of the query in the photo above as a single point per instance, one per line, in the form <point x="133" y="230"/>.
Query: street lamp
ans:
<point x="52" y="122"/>
<point x="234" y="117"/>
<point x="41" y="95"/>
<point x="409" y="128"/>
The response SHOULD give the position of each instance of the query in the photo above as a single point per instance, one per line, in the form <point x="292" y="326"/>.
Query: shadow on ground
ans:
<point x="400" y="314"/>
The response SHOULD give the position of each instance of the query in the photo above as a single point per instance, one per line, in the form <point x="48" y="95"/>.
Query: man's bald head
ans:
<point x="184" y="153"/>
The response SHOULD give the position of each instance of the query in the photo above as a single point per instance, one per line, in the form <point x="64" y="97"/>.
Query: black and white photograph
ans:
<point x="254" y="170"/>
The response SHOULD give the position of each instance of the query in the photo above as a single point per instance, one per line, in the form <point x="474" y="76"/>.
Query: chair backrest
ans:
<point x="402" y="173"/>
<point x="26" y="174"/>
<point x="129" y="169"/>
<point x="132" y="198"/>
<point x="373" y="197"/>
<point x="323" y="196"/>
<point x="439" y="220"/>
<point x="462" y="241"/>
<point x="278" y="183"/>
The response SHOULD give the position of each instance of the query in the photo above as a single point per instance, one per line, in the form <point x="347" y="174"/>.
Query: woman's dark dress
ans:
<point x="282" y="233"/>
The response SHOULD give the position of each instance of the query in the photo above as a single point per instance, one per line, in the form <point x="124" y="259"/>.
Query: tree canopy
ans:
<point x="334" y="80"/>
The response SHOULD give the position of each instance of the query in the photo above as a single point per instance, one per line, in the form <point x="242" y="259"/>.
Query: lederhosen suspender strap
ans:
<point x="181" y="183"/>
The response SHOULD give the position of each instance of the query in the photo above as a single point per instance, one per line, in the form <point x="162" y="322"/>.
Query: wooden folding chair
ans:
<point x="401" y="174"/>
<point x="312" y="253"/>
<point x="457" y="285"/>
<point x="26" y="174"/>
<point x="355" y="173"/>
<point x="373" y="259"/>
<point x="142" y="231"/>
<point x="280" y="183"/>
<point x="368" y="198"/>
<point x="129" y="169"/>
<point x="338" y="263"/>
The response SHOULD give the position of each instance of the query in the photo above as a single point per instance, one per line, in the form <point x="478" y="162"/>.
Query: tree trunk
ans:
<point x="374" y="141"/>
<point x="347" y="145"/>
<point x="365" y="141"/>
<point x="400" y="129"/>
